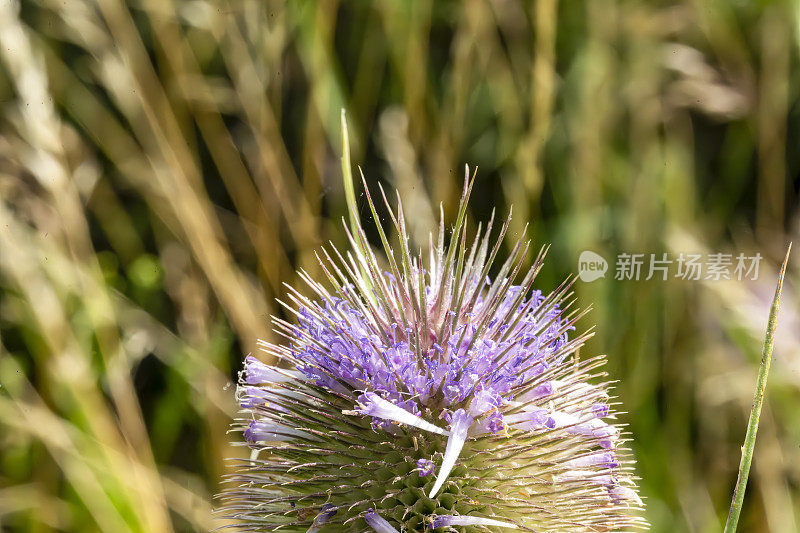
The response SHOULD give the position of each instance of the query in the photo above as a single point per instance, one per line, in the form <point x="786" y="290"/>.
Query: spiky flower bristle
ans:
<point x="408" y="399"/>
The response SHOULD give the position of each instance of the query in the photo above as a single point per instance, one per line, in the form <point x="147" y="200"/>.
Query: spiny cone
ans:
<point x="407" y="398"/>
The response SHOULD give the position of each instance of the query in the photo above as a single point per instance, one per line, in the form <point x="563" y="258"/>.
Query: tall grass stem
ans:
<point x="758" y="402"/>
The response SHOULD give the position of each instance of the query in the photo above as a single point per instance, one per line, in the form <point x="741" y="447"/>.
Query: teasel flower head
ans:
<point x="414" y="392"/>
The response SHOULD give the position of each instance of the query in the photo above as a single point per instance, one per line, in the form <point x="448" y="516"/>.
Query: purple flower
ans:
<point x="378" y="523"/>
<point x="425" y="467"/>
<point x="386" y="372"/>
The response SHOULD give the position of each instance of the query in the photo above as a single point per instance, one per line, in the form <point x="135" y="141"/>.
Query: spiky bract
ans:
<point x="409" y="398"/>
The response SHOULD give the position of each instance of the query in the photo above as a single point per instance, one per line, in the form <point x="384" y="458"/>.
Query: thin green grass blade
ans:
<point x="758" y="401"/>
<point x="347" y="177"/>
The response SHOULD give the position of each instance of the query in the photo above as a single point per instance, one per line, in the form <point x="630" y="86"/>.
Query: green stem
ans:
<point x="758" y="401"/>
<point x="352" y="207"/>
<point x="347" y="177"/>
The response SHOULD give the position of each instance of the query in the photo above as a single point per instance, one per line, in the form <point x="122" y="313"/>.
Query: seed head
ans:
<point x="416" y="393"/>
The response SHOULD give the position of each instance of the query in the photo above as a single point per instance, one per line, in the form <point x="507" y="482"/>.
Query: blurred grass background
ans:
<point x="165" y="165"/>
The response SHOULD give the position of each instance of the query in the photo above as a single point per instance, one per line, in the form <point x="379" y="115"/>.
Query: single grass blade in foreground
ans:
<point x="758" y="401"/>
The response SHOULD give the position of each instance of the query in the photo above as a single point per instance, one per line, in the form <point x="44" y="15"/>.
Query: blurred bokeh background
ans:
<point x="166" y="165"/>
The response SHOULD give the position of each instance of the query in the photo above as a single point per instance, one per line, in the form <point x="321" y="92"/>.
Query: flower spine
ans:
<point x="407" y="398"/>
